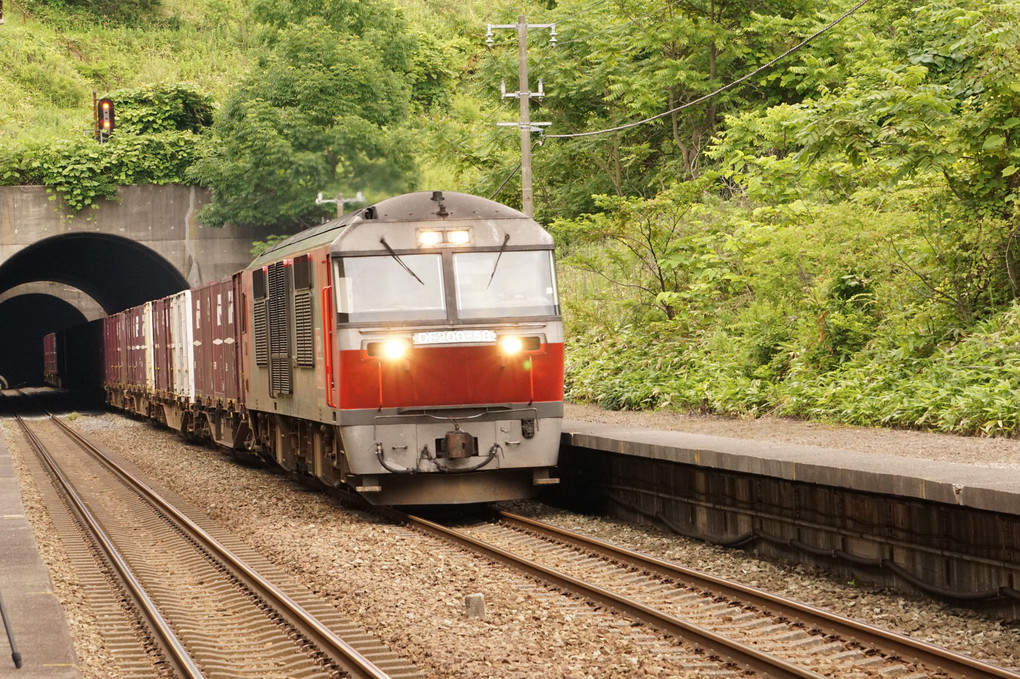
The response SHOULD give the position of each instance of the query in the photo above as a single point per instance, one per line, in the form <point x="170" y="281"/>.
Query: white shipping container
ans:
<point x="182" y="336"/>
<point x="150" y="357"/>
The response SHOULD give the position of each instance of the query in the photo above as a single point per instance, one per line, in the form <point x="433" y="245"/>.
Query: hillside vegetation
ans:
<point x="832" y="237"/>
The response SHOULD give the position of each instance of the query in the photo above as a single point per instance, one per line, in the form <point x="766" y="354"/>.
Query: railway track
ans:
<point x="197" y="608"/>
<point x="735" y="627"/>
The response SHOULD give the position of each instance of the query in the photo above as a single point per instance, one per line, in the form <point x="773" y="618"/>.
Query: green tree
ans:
<point x="322" y="110"/>
<point x="630" y="61"/>
<point x="925" y="110"/>
<point x="659" y="247"/>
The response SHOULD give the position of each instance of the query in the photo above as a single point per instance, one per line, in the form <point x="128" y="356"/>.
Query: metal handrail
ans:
<point x="15" y="656"/>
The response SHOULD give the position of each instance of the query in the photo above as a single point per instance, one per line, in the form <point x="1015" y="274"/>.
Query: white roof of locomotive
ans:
<point x="361" y="230"/>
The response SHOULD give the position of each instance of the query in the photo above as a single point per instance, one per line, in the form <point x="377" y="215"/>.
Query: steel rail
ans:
<point x="900" y="645"/>
<point x="728" y="649"/>
<point x="345" y="655"/>
<point x="178" y="656"/>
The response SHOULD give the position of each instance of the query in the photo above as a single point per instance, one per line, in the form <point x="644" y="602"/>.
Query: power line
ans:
<point x="721" y="89"/>
<point x="513" y="172"/>
<point x="437" y="117"/>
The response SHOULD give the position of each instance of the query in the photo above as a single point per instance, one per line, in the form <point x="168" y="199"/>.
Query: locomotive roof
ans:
<point x="421" y="206"/>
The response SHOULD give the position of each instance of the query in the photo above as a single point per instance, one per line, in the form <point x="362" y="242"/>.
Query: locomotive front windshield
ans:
<point x="512" y="283"/>
<point x="408" y="287"/>
<point x="412" y="287"/>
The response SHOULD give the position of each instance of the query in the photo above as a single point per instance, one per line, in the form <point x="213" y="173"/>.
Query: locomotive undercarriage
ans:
<point x="383" y="473"/>
<point x="452" y="456"/>
<point x="299" y="446"/>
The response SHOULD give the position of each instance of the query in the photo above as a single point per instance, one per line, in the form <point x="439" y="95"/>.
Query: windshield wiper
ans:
<point x="395" y="256"/>
<point x="502" y="249"/>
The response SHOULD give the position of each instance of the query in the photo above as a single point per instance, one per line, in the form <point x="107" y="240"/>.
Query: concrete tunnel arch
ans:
<point x="116" y="272"/>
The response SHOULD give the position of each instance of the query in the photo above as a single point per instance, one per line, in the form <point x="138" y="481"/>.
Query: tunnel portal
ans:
<point x="116" y="272"/>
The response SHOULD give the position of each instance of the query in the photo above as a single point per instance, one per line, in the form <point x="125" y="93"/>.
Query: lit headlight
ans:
<point x="394" y="349"/>
<point x="510" y="345"/>
<point x="430" y="238"/>
<point x="391" y="349"/>
<point x="458" y="237"/>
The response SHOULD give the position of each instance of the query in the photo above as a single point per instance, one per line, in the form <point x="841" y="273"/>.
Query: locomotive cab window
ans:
<point x="406" y="287"/>
<point x="514" y="283"/>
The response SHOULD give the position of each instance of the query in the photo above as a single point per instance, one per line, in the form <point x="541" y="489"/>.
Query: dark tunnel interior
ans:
<point x="25" y="319"/>
<point x="116" y="272"/>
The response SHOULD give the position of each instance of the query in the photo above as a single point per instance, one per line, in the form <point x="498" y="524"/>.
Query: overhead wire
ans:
<point x="722" y="89"/>
<point x="513" y="172"/>
<point x="433" y="119"/>
<point x="538" y="62"/>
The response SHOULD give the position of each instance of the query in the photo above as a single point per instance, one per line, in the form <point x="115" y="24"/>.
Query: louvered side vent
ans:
<point x="279" y="333"/>
<point x="304" y="333"/>
<point x="261" y="333"/>
<point x="280" y="376"/>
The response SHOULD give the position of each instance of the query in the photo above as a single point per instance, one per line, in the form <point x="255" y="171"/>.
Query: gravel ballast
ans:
<point x="409" y="590"/>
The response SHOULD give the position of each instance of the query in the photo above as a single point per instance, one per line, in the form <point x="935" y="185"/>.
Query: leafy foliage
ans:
<point x="122" y="11"/>
<point x="154" y="142"/>
<point x="162" y="108"/>
<point x="868" y="233"/>
<point x="835" y="238"/>
<point x="658" y="247"/>
<point x="319" y="112"/>
<point x="81" y="171"/>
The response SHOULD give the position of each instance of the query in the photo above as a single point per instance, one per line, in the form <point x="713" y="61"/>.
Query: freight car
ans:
<point x="411" y="351"/>
<point x="72" y="360"/>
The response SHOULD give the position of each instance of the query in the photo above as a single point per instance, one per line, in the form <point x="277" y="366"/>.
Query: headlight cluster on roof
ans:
<point x="430" y="238"/>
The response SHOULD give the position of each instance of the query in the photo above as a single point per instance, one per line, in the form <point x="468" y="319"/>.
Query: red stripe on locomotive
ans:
<point x="447" y="376"/>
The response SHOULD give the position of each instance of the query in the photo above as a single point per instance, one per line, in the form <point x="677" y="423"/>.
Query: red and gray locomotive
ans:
<point x="411" y="350"/>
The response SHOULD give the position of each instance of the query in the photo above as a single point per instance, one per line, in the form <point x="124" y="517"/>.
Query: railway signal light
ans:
<point x="104" y="119"/>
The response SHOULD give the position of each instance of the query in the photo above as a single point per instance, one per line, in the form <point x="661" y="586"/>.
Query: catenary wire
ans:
<point x="513" y="172"/>
<point x="731" y="85"/>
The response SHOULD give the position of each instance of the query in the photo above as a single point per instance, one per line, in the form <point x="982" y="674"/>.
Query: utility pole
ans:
<point x="340" y="201"/>
<point x="524" y="95"/>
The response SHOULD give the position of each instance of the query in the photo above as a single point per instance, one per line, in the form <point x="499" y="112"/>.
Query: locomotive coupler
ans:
<point x="459" y="444"/>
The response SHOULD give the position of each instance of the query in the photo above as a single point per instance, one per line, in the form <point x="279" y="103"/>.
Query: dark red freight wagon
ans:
<point x="162" y="353"/>
<point x="217" y="381"/>
<point x="218" y="402"/>
<point x="51" y="372"/>
<point x="134" y="325"/>
<point x="114" y="350"/>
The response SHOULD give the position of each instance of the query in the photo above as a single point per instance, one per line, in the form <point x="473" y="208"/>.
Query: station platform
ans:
<point x="37" y="621"/>
<point x="994" y="488"/>
<point x="924" y="513"/>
